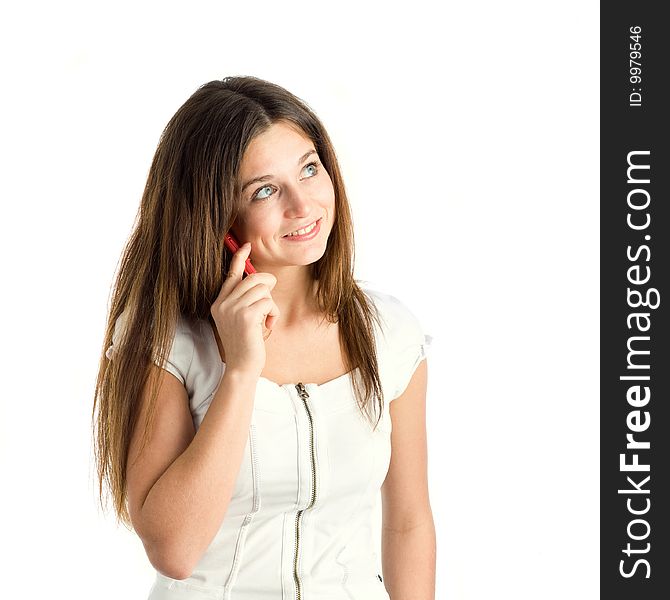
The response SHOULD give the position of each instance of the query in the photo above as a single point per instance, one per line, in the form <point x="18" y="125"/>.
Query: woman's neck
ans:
<point x="294" y="294"/>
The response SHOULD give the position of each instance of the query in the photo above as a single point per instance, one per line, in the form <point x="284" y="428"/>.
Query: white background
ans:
<point x="468" y="138"/>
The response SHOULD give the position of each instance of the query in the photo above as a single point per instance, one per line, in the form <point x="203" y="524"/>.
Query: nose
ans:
<point x="298" y="203"/>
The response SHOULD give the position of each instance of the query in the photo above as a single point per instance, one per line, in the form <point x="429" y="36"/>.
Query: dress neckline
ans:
<point x="346" y="375"/>
<point x="312" y="385"/>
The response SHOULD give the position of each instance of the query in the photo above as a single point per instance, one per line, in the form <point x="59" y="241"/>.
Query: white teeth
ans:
<point x="302" y="231"/>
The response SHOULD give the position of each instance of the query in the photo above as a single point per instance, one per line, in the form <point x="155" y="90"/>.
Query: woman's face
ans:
<point x="295" y="192"/>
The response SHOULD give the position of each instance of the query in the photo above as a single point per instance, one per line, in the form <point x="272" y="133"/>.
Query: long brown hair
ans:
<point x="175" y="261"/>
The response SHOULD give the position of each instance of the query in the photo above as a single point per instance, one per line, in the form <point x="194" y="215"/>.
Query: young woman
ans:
<point x="246" y="424"/>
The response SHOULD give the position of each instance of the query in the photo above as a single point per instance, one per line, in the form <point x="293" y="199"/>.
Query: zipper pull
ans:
<point x="302" y="390"/>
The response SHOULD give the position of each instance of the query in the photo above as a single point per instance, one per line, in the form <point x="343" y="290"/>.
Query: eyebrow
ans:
<point x="266" y="177"/>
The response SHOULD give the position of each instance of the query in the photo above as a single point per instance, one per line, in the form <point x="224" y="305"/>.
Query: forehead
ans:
<point x="276" y="149"/>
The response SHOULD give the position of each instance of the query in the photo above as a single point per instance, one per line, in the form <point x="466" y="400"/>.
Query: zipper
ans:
<point x="302" y="392"/>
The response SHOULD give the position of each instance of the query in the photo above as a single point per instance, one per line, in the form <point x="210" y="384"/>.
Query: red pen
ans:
<point x="233" y="245"/>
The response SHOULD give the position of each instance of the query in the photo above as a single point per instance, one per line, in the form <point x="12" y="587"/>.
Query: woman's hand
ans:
<point x="241" y="311"/>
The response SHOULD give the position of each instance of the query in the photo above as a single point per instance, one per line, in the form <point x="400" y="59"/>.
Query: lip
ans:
<point x="306" y="236"/>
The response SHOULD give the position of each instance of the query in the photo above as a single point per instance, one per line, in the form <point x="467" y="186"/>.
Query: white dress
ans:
<point x="299" y="523"/>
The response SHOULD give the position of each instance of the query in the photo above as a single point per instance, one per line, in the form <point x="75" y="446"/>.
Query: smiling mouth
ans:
<point x="304" y="230"/>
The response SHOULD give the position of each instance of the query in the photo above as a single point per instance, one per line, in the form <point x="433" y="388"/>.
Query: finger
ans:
<point x="236" y="269"/>
<point x="243" y="286"/>
<point x="267" y="308"/>
<point x="274" y="312"/>
<point x="270" y="321"/>
<point x="272" y="317"/>
<point x="237" y="263"/>
<point x="251" y="295"/>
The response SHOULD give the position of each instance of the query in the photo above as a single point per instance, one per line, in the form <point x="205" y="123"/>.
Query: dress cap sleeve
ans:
<point x="408" y="344"/>
<point x="413" y="347"/>
<point x="179" y="359"/>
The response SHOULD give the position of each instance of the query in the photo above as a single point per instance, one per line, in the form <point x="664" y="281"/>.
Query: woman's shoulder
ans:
<point x="396" y="316"/>
<point x="182" y="345"/>
<point x="185" y="327"/>
<point x="403" y="343"/>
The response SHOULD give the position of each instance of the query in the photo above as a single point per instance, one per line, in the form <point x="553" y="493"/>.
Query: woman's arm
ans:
<point x="180" y="486"/>
<point x="408" y="532"/>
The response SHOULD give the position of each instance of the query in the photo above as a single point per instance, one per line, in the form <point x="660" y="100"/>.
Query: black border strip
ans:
<point x="635" y="265"/>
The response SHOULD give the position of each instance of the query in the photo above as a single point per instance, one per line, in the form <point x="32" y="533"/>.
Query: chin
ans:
<point x="311" y="258"/>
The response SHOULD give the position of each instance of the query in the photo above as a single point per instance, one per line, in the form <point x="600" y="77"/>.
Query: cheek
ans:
<point x="239" y="227"/>
<point x="258" y="224"/>
<point x="245" y="227"/>
<point x="327" y="194"/>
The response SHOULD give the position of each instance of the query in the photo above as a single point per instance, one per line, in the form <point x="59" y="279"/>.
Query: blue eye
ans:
<point x="256" y="197"/>
<point x="265" y="187"/>
<point x="315" y="165"/>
